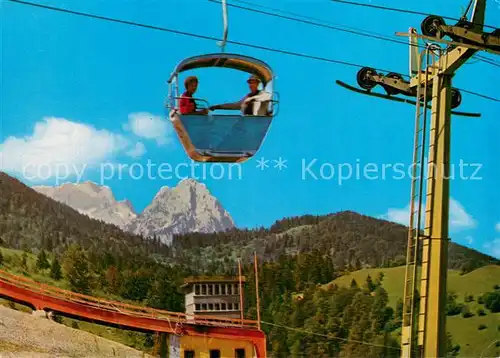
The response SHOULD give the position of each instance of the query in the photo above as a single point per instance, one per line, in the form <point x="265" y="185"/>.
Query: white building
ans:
<point x="213" y="296"/>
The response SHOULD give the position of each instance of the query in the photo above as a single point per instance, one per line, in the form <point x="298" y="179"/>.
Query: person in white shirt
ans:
<point x="255" y="103"/>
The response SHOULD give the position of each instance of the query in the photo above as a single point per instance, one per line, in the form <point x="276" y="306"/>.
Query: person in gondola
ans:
<point x="187" y="104"/>
<point x="254" y="103"/>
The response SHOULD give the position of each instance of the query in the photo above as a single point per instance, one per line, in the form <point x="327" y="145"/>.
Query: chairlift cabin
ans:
<point x="230" y="138"/>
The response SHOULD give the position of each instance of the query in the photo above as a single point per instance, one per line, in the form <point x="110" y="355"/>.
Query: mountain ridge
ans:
<point x="186" y="207"/>
<point x="93" y="200"/>
<point x="351" y="240"/>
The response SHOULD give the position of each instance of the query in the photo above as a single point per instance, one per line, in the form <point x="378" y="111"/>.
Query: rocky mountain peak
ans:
<point x="187" y="207"/>
<point x="93" y="200"/>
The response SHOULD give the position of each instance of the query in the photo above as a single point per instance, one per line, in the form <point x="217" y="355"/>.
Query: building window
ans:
<point x="235" y="290"/>
<point x="223" y="289"/>
<point x="236" y="306"/>
<point x="203" y="289"/>
<point x="214" y="353"/>
<point x="239" y="353"/>
<point x="210" y="290"/>
<point x="197" y="306"/>
<point x="204" y="306"/>
<point x="196" y="289"/>
<point x="188" y="354"/>
<point x="230" y="306"/>
<point x="217" y="307"/>
<point x="210" y="306"/>
<point x="223" y="306"/>
<point x="228" y="288"/>
<point x="217" y="289"/>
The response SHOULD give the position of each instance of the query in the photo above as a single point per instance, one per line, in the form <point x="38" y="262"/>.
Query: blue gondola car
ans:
<point x="222" y="137"/>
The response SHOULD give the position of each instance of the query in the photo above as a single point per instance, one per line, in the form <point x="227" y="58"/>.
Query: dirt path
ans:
<point x="23" y="335"/>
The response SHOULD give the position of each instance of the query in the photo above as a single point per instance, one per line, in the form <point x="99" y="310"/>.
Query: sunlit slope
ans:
<point x="475" y="333"/>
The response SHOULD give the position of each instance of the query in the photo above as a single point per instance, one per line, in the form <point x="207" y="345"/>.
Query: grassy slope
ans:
<point x="464" y="330"/>
<point x="128" y="338"/>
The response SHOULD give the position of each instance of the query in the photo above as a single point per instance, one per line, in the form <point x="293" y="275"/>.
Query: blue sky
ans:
<point x="89" y="94"/>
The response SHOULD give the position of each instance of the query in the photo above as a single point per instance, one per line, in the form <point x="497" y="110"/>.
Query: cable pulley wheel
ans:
<point x="363" y="78"/>
<point x="391" y="90"/>
<point x="456" y="98"/>
<point x="430" y="25"/>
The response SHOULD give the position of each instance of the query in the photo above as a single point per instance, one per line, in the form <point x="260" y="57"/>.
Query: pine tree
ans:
<point x="42" y="263"/>
<point x="24" y="261"/>
<point x="369" y="285"/>
<point x="76" y="267"/>
<point x="55" y="270"/>
<point x="354" y="284"/>
<point x="112" y="279"/>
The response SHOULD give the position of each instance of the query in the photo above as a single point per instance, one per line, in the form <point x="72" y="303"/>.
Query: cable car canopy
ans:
<point x="226" y="60"/>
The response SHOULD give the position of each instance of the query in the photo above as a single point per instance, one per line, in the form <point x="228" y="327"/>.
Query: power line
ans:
<point x="164" y="29"/>
<point x="309" y="22"/>
<point x="329" y="337"/>
<point x="356" y="31"/>
<point x="319" y="58"/>
<point x="402" y="10"/>
<point x="487" y="60"/>
<point x="479" y="95"/>
<point x="336" y="27"/>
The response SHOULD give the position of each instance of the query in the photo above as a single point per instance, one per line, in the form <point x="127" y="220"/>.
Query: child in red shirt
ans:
<point x="187" y="104"/>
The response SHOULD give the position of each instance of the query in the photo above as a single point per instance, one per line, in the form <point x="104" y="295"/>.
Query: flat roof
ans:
<point x="212" y="279"/>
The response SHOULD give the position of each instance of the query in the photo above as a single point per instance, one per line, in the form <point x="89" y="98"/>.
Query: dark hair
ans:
<point x="190" y="79"/>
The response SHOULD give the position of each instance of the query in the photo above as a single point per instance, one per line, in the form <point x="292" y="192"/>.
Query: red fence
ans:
<point x="42" y="296"/>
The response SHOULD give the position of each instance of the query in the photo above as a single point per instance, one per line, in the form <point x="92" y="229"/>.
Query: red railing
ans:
<point x="120" y="307"/>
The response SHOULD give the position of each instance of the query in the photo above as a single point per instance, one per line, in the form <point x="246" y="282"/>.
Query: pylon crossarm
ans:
<point x="484" y="40"/>
<point x="454" y="43"/>
<point x="396" y="83"/>
<point x="401" y="100"/>
<point x="448" y="64"/>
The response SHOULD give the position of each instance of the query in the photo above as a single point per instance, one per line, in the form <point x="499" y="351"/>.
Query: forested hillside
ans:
<point x="297" y="255"/>
<point x="350" y="240"/>
<point x="30" y="220"/>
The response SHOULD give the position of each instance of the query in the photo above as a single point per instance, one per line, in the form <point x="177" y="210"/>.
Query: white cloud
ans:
<point x="149" y="126"/>
<point x="58" y="147"/>
<point x="493" y="248"/>
<point x="137" y="151"/>
<point x="400" y="216"/>
<point x="459" y="218"/>
<point x="469" y="240"/>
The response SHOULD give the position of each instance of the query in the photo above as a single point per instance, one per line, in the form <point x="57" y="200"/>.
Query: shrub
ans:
<point x="480" y="312"/>
<point x="481" y="327"/>
<point x="492" y="301"/>
<point x="452" y="306"/>
<point x="466" y="313"/>
<point x="469" y="298"/>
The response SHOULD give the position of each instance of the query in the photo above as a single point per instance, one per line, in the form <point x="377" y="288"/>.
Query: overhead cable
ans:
<point x="327" y="25"/>
<point x="402" y="10"/>
<point x="211" y="38"/>
<point x="184" y="33"/>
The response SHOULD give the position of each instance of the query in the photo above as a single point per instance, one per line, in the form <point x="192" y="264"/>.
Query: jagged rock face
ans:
<point x="188" y="207"/>
<point x="98" y="202"/>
